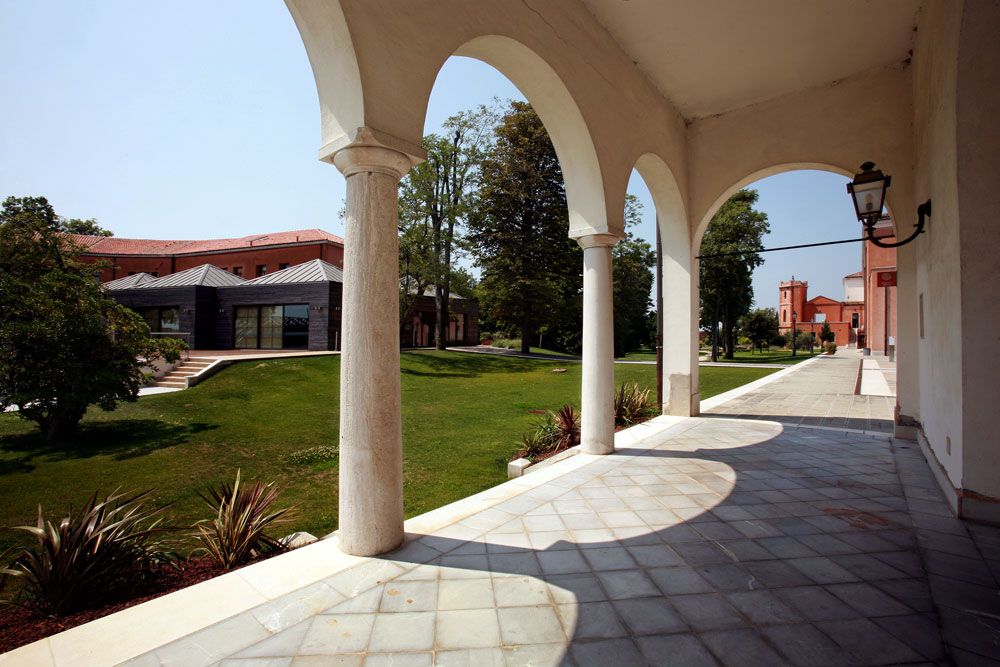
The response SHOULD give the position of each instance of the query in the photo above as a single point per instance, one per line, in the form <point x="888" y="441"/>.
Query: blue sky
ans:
<point x="200" y="119"/>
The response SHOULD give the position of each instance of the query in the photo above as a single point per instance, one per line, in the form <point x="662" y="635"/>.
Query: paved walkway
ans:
<point x="821" y="393"/>
<point x="700" y="541"/>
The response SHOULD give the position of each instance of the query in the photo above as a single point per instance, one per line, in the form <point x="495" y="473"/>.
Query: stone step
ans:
<point x="188" y="369"/>
<point x="176" y="384"/>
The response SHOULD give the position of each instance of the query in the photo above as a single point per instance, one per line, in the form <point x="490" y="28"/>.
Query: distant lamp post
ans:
<point x="867" y="191"/>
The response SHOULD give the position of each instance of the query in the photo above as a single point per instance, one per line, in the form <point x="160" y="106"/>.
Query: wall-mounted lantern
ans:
<point x="867" y="191"/>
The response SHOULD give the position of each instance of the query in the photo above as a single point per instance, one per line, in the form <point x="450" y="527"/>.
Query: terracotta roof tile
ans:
<point x="111" y="245"/>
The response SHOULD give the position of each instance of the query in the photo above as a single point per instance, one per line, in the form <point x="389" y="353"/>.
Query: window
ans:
<point x="163" y="320"/>
<point x="819" y="317"/>
<point x="272" y="327"/>
<point x="784" y="315"/>
<point x="237" y="270"/>
<point x="855" y="320"/>
<point x="261" y="270"/>
<point x="282" y="266"/>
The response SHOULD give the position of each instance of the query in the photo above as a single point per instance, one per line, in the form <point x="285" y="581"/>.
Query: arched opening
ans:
<point x="845" y="291"/>
<point x="554" y="104"/>
<point x="587" y="218"/>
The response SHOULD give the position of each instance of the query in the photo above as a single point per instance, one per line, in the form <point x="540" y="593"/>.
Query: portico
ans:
<point x="621" y="86"/>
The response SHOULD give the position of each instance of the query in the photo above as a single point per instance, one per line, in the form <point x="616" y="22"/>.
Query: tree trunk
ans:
<point x="729" y="334"/>
<point x="526" y="331"/>
<point x="60" y="424"/>
<point x="715" y="332"/>
<point x="441" y="306"/>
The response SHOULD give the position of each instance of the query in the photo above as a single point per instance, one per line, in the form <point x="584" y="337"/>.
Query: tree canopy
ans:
<point x="64" y="344"/>
<point x="760" y="326"/>
<point x="632" y="261"/>
<point x="88" y="227"/>
<point x="434" y="202"/>
<point x="531" y="278"/>
<point x="726" y="288"/>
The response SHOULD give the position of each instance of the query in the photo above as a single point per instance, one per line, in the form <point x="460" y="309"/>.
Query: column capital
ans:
<point x="369" y="152"/>
<point x="597" y="241"/>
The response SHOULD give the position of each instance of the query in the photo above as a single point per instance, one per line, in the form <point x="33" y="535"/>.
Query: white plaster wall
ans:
<point x="937" y="253"/>
<point x="854" y="289"/>
<point x="978" y="163"/>
<point x="834" y="127"/>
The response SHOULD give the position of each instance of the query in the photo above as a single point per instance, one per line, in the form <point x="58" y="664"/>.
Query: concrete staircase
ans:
<point x="177" y="378"/>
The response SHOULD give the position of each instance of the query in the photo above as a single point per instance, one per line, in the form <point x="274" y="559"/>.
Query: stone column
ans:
<point x="371" y="441"/>
<point x="597" y="429"/>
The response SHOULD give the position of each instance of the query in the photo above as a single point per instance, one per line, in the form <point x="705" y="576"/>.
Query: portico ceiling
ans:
<point x="713" y="56"/>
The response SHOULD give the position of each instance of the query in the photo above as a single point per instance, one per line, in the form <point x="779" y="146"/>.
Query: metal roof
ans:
<point x="313" y="271"/>
<point x="206" y="274"/>
<point x="128" y="282"/>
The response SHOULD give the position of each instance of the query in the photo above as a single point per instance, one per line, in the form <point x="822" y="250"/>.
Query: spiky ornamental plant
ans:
<point x="242" y="514"/>
<point x="632" y="404"/>
<point x="107" y="550"/>
<point x="567" y="422"/>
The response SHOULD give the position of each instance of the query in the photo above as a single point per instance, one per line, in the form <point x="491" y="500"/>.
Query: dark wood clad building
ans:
<point x="296" y="308"/>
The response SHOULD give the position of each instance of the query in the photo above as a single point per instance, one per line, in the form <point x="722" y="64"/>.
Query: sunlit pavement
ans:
<point x="699" y="541"/>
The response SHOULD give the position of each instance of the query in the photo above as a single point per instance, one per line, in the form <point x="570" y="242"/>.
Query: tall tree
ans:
<point x="531" y="270"/>
<point x="64" y="344"/>
<point x="726" y="289"/>
<point x="633" y="260"/>
<point x="433" y="204"/>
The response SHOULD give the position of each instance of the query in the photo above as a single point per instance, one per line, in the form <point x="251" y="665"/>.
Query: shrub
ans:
<point x="533" y="443"/>
<point x="779" y="341"/>
<point x="242" y="514"/>
<point x="560" y="430"/>
<point x="830" y="348"/>
<point x="509" y="343"/>
<point x="632" y="404"/>
<point x="320" y="454"/>
<point x="107" y="550"/>
<point x="567" y="428"/>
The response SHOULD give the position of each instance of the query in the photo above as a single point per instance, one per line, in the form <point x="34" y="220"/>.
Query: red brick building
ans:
<point x="248" y="256"/>
<point x="867" y="315"/>
<point x="878" y="266"/>
<point x="845" y="318"/>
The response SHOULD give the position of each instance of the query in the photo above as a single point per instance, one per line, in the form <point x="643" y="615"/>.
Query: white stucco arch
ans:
<point x="554" y="104"/>
<point x="334" y="64"/>
<point x="749" y="179"/>
<point x="678" y="287"/>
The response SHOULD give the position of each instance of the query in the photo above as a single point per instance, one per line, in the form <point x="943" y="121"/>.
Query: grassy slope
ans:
<point x="462" y="418"/>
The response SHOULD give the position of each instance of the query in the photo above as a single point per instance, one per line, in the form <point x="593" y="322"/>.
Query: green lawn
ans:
<point x="463" y="416"/>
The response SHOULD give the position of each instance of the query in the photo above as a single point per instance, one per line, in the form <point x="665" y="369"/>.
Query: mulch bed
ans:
<point x="19" y="626"/>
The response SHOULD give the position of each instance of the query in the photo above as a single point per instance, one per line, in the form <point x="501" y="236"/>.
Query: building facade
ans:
<point x="247" y="257"/>
<point x="797" y="311"/>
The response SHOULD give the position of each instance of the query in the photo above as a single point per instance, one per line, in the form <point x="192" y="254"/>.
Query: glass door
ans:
<point x="270" y="327"/>
<point x="295" y="332"/>
<point x="246" y="327"/>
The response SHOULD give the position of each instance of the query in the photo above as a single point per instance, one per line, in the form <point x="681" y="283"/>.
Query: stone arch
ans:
<point x="702" y="224"/>
<point x="551" y="99"/>
<point x="678" y="287"/>
<point x="334" y="63"/>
